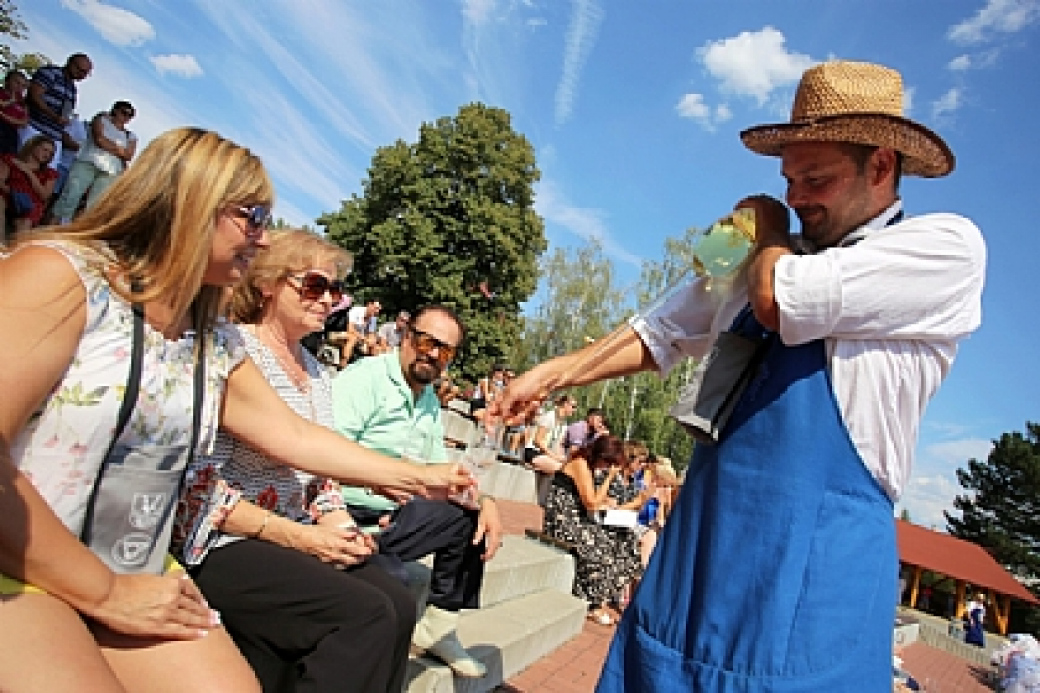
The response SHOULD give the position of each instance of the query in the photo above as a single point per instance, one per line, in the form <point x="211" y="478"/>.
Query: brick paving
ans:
<point x="575" y="667"/>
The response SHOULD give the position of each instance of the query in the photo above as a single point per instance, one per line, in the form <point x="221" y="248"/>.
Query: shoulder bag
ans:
<point x="131" y="509"/>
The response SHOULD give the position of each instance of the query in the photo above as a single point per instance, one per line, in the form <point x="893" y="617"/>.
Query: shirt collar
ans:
<point x="882" y="220"/>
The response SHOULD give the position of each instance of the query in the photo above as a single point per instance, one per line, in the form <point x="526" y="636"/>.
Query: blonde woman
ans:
<point x="301" y="598"/>
<point x="169" y="236"/>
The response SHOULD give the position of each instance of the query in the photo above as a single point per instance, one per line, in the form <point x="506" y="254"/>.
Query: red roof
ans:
<point x="959" y="559"/>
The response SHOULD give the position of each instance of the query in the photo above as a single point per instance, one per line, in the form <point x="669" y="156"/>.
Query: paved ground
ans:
<point x="575" y="667"/>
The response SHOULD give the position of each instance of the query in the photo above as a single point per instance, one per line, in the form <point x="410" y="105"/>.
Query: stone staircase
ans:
<point x="527" y="611"/>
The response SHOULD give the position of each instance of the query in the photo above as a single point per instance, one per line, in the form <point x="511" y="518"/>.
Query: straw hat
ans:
<point x="860" y="103"/>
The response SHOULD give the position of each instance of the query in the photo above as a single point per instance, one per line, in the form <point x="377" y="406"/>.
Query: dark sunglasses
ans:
<point x="128" y="114"/>
<point x="426" y="342"/>
<point x="312" y="286"/>
<point x="256" y="216"/>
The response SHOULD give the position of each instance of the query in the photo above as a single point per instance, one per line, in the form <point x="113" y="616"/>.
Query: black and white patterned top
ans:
<point x="232" y="470"/>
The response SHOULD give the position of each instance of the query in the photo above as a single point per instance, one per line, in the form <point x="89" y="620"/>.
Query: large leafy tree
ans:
<point x="450" y="219"/>
<point x="1002" y="511"/>
<point x="12" y="27"/>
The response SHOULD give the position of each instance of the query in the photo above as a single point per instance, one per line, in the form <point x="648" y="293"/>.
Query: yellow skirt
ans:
<point x="11" y="586"/>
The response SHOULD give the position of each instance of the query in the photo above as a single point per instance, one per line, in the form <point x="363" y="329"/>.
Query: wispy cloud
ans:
<point x="553" y="205"/>
<point x="996" y="17"/>
<point x="934" y="483"/>
<point x="116" y="25"/>
<point x="753" y="63"/>
<point x="180" y="65"/>
<point x="948" y="103"/>
<point x="693" y="106"/>
<point x="974" y="61"/>
<point x="586" y="17"/>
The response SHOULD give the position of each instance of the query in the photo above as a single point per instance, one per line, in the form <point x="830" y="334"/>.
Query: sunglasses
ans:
<point x="128" y="114"/>
<point x="426" y="342"/>
<point x="313" y="286"/>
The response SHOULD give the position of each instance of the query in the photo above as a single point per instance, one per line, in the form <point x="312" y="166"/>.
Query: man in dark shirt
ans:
<point x="51" y="101"/>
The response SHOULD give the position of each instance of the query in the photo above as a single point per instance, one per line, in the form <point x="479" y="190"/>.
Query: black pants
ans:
<point x="306" y="626"/>
<point x="420" y="527"/>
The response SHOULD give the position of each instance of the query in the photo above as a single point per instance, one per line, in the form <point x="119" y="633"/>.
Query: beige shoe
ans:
<point x="435" y="633"/>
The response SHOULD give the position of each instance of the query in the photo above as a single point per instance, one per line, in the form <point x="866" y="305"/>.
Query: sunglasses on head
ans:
<point x="312" y="286"/>
<point x="426" y="342"/>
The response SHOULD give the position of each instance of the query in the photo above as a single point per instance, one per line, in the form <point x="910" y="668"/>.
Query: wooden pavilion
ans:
<point x="923" y="549"/>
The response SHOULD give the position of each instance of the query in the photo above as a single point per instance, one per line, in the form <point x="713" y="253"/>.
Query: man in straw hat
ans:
<point x="777" y="568"/>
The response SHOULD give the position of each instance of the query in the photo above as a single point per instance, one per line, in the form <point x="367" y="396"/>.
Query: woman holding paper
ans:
<point x="607" y="558"/>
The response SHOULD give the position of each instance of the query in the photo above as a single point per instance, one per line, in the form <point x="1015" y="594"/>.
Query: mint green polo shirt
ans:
<point x="373" y="405"/>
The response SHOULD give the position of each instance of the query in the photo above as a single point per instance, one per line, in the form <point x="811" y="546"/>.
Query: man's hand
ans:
<point x="772" y="241"/>
<point x="489" y="528"/>
<point x="521" y="398"/>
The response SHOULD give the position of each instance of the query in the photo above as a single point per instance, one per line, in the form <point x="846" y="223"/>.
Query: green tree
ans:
<point x="450" y="219"/>
<point x="1002" y="509"/>
<point x="12" y="27"/>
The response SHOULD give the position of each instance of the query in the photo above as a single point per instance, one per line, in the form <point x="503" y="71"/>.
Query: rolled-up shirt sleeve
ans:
<point x="917" y="279"/>
<point x="687" y="321"/>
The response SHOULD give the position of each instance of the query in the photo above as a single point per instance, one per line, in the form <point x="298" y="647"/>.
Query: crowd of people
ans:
<point x="53" y="164"/>
<point x="195" y="502"/>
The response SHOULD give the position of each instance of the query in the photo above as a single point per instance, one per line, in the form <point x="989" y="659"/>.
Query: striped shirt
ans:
<point x="59" y="93"/>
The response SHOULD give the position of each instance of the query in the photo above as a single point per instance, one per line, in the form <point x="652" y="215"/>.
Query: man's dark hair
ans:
<point x="443" y="310"/>
<point x="593" y="411"/>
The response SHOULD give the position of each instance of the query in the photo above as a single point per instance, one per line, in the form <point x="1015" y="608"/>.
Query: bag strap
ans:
<point x="133" y="386"/>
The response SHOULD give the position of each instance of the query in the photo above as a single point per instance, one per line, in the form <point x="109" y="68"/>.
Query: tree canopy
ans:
<point x="12" y="27"/>
<point x="450" y="219"/>
<point x="1002" y="511"/>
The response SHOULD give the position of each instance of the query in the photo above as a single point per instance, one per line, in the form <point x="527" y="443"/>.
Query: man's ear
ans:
<point x="882" y="165"/>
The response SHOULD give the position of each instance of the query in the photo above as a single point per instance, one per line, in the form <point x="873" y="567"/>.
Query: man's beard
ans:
<point x="423" y="372"/>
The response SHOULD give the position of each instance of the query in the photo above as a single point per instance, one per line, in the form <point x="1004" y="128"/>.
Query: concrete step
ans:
<point x="507" y="637"/>
<point x="521" y="566"/>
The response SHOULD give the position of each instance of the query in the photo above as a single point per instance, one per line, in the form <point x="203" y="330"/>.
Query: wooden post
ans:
<point x="959" y="611"/>
<point x="915" y="583"/>
<point x="1002" y="611"/>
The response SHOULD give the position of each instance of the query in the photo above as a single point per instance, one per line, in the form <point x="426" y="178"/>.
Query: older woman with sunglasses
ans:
<point x="126" y="299"/>
<point x="287" y="567"/>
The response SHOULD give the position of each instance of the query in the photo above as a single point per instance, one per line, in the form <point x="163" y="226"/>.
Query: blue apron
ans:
<point x="777" y="568"/>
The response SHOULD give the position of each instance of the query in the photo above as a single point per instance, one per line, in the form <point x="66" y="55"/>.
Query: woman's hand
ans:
<point x="168" y="606"/>
<point x="341" y="546"/>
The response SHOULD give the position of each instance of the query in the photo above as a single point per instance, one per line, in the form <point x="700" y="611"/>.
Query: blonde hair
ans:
<point x="289" y="251"/>
<point x="159" y="216"/>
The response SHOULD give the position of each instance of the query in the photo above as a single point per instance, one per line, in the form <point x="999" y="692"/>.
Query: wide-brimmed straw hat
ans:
<point x="859" y="103"/>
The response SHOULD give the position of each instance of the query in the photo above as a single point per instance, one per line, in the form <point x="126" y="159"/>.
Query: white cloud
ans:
<point x="908" y="100"/>
<point x="960" y="63"/>
<point x="947" y="103"/>
<point x="116" y="25"/>
<point x="584" y="222"/>
<point x="958" y="452"/>
<point x="477" y="11"/>
<point x="934" y="484"/>
<point x="692" y="106"/>
<point x="581" y="36"/>
<point x="998" y="16"/>
<point x="753" y="63"/>
<point x="180" y="65"/>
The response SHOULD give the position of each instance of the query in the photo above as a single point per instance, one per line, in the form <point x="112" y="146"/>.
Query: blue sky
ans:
<point x="633" y="109"/>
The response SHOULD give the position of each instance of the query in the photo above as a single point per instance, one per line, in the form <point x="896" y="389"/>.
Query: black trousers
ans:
<point x="422" y="526"/>
<point x="305" y="626"/>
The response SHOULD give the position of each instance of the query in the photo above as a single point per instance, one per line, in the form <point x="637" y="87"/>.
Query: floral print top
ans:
<point x="62" y="446"/>
<point x="233" y="470"/>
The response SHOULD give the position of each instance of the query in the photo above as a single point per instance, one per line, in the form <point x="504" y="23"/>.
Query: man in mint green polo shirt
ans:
<point x="388" y="403"/>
